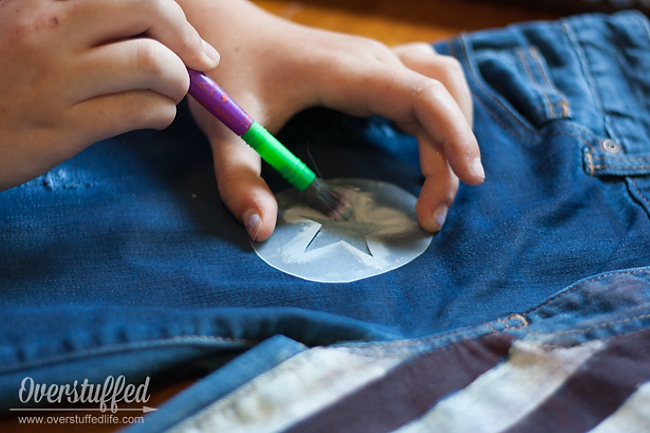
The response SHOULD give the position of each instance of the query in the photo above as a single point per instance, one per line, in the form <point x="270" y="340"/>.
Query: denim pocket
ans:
<point x="520" y="79"/>
<point x="584" y="78"/>
<point x="510" y="78"/>
<point x="614" y="55"/>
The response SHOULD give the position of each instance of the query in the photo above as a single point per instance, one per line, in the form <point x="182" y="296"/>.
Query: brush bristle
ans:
<point x="329" y="200"/>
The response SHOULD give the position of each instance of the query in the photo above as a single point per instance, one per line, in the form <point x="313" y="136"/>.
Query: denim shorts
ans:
<point x="531" y="307"/>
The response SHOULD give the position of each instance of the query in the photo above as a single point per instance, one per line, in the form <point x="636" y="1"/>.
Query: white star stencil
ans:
<point x="381" y="235"/>
<point x="351" y="231"/>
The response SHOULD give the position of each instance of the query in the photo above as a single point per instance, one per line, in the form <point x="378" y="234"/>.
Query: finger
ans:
<point x="99" y="118"/>
<point x="414" y="102"/>
<point x="433" y="108"/>
<point x="117" y="113"/>
<point x="238" y="168"/>
<point x="242" y="189"/>
<point x="439" y="189"/>
<point x="104" y="21"/>
<point x="422" y="58"/>
<point x="132" y="64"/>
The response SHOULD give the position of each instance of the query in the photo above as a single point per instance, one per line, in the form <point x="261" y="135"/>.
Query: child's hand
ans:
<point x="75" y="72"/>
<point x="275" y="68"/>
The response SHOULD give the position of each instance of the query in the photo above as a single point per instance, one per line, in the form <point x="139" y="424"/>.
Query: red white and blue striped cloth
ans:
<point x="578" y="363"/>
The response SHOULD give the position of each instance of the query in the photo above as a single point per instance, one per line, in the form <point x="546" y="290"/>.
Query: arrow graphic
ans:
<point x="143" y="409"/>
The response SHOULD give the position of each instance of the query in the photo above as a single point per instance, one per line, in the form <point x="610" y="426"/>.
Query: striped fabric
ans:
<point x="491" y="384"/>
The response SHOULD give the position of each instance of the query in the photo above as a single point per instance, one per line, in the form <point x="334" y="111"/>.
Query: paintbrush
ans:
<point x="325" y="198"/>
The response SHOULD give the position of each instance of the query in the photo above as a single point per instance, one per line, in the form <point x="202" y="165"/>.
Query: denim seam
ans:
<point x="485" y="92"/>
<point x="536" y="142"/>
<point x="590" y="162"/>
<point x="643" y="197"/>
<point x="552" y="346"/>
<point x="548" y="106"/>
<point x="625" y="167"/>
<point x="603" y="165"/>
<point x="407" y="343"/>
<point x="623" y="157"/>
<point x="580" y="130"/>
<point x="638" y="271"/>
<point x="564" y="104"/>
<point x="575" y="127"/>
<point x="591" y="328"/>
<point x="593" y="166"/>
<point x="589" y="144"/>
<point x="115" y="348"/>
<point x="356" y="351"/>
<point x="426" y="340"/>
<point x="577" y="47"/>
<point x="503" y="125"/>
<point x="494" y="331"/>
<point x="523" y="324"/>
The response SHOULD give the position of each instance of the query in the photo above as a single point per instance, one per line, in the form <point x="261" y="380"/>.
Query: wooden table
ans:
<point x="390" y="21"/>
<point x="398" y="21"/>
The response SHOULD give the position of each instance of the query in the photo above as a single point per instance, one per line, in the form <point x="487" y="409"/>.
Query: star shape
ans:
<point x="351" y="231"/>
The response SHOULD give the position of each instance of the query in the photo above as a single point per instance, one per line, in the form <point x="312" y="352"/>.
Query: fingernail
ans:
<point x="477" y="168"/>
<point x="211" y="52"/>
<point x="440" y="215"/>
<point x="253" y="224"/>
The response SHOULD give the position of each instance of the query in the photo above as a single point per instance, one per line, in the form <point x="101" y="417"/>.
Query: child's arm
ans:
<point x="275" y="68"/>
<point x="75" y="72"/>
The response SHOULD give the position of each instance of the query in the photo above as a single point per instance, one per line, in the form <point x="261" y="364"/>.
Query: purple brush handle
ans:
<point x="216" y="101"/>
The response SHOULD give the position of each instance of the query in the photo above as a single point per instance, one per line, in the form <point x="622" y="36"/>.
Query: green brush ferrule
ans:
<point x="279" y="157"/>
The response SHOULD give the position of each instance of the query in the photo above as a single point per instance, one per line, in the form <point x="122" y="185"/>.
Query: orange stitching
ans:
<point x="566" y="108"/>
<point x="524" y="321"/>
<point x="590" y="159"/>
<point x="625" y="167"/>
<point x="514" y="316"/>
<point x="548" y="107"/>
<point x="640" y="158"/>
<point x="564" y="104"/>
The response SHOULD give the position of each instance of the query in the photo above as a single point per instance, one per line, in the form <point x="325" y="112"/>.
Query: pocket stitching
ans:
<point x="639" y="192"/>
<point x="586" y="71"/>
<point x="564" y="104"/>
<point x="485" y="91"/>
<point x="548" y="105"/>
<point x="528" y="139"/>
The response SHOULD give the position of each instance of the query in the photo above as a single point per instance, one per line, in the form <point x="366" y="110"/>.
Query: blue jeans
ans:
<point x="123" y="261"/>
